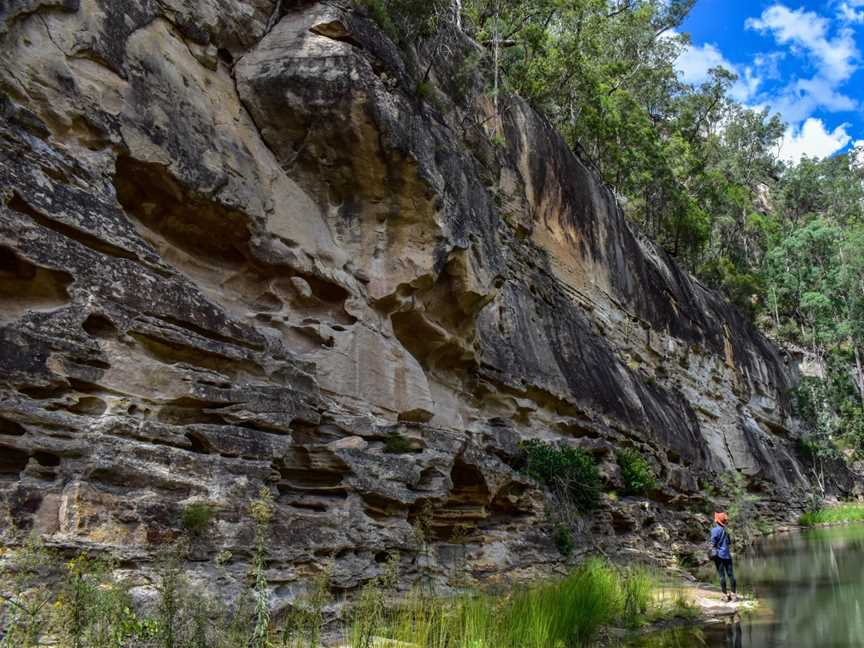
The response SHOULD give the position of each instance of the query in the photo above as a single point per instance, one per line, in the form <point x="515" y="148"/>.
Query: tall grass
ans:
<point x="92" y="608"/>
<point x="843" y="513"/>
<point x="565" y="613"/>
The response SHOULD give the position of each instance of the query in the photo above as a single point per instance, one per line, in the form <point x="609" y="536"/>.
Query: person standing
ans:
<point x="721" y="552"/>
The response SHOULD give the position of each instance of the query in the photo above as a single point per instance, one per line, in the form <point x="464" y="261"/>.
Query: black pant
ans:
<point x="724" y="568"/>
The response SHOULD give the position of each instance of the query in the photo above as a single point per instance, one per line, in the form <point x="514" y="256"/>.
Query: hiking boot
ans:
<point x="728" y="598"/>
<point x="734" y="597"/>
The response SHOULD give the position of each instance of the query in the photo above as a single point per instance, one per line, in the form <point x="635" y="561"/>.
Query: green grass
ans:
<point x="92" y="609"/>
<point x="565" y="613"/>
<point x="840" y="514"/>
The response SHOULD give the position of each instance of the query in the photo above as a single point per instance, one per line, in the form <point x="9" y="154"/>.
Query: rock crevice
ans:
<point x="238" y="249"/>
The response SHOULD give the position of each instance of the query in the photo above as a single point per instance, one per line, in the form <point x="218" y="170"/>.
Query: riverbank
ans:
<point x="596" y="601"/>
<point x="809" y="586"/>
<point x="844" y="513"/>
<point x="550" y="615"/>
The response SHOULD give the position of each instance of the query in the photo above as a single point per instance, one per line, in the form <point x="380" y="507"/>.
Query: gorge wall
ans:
<point x="240" y="247"/>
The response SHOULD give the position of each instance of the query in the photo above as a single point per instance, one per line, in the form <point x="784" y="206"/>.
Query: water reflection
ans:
<point x="812" y="590"/>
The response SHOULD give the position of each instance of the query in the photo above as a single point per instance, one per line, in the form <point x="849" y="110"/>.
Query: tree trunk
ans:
<point x="496" y="36"/>
<point x="859" y="373"/>
<point x="776" y="310"/>
<point x="457" y="13"/>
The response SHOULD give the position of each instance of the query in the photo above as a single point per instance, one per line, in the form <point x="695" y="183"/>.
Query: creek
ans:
<point x="810" y="588"/>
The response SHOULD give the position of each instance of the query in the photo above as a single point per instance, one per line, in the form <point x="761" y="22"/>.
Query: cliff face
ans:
<point x="239" y="248"/>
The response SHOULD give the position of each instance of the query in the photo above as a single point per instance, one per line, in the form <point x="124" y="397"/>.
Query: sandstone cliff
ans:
<point x="238" y="247"/>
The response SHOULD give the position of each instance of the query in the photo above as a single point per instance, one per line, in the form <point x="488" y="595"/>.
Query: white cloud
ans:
<point x="835" y="58"/>
<point x="857" y="154"/>
<point x="801" y="98"/>
<point x="827" y="45"/>
<point x="768" y="64"/>
<point x="848" y="12"/>
<point x="746" y="86"/>
<point x="695" y="62"/>
<point x="812" y="139"/>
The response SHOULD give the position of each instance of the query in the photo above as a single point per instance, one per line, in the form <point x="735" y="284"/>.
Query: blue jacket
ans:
<point x="721" y="541"/>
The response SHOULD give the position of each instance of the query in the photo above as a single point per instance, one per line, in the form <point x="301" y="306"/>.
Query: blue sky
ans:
<point x="800" y="59"/>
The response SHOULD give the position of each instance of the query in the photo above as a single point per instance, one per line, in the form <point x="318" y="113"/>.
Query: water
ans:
<point x="811" y="592"/>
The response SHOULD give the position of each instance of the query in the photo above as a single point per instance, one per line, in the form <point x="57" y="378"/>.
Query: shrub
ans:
<point x="24" y="609"/>
<point x="172" y="590"/>
<point x="424" y="89"/>
<point x="741" y="507"/>
<point x="95" y="609"/>
<point x="841" y="514"/>
<point x="636" y="472"/>
<point x="563" y="540"/>
<point x="262" y="511"/>
<point x="395" y="443"/>
<point x="303" y="625"/>
<point x="405" y="20"/>
<point x="197" y="517"/>
<point x="570" y="472"/>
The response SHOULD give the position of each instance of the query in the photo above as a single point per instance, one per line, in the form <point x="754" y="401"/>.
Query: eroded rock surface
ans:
<point x="237" y="249"/>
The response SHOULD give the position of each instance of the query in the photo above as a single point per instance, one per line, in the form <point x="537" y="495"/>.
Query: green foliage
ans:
<point x="563" y="538"/>
<point x="424" y="89"/>
<point x="406" y="20"/>
<point x="395" y="443"/>
<point x="197" y="517"/>
<point x="636" y="472"/>
<point x="369" y="613"/>
<point x="570" y="472"/>
<point x="303" y="626"/>
<point x="731" y="495"/>
<point x="638" y="587"/>
<point x="25" y="609"/>
<point x="841" y="514"/>
<point x="568" y="612"/>
<point x="261" y="511"/>
<point x="743" y="288"/>
<point x="687" y="158"/>
<point x="171" y="588"/>
<point x="93" y="609"/>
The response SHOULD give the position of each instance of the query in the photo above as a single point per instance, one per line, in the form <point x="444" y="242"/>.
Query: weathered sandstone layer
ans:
<point x="239" y="248"/>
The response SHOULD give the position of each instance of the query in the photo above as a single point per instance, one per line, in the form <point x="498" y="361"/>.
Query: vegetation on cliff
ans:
<point x="698" y="172"/>
<point x="841" y="514"/>
<point x="92" y="607"/>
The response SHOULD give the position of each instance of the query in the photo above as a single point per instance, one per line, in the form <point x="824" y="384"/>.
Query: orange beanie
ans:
<point x="721" y="518"/>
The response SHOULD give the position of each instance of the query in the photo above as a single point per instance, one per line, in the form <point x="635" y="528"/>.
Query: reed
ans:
<point x="565" y="613"/>
<point x="840" y="514"/>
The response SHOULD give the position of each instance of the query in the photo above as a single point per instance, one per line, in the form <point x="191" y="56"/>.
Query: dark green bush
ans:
<point x="570" y="472"/>
<point x="424" y="89"/>
<point x="395" y="443"/>
<point x="636" y="472"/>
<point x="197" y="517"/>
<point x="563" y="539"/>
<point x="405" y="20"/>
